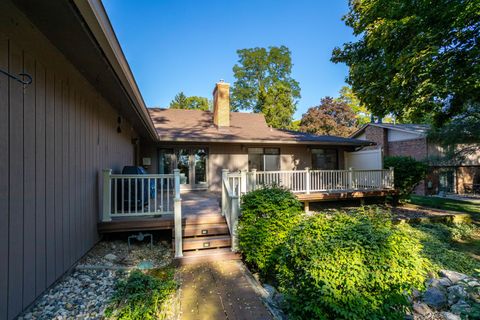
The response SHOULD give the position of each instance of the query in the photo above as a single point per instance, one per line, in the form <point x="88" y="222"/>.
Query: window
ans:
<point x="324" y="159"/>
<point x="264" y="159"/>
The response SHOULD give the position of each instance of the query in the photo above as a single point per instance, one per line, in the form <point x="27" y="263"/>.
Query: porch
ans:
<point x="204" y="223"/>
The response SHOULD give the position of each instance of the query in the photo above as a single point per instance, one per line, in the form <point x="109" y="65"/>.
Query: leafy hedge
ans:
<point x="350" y="266"/>
<point x="268" y="215"/>
<point x="408" y="172"/>
<point x="142" y="296"/>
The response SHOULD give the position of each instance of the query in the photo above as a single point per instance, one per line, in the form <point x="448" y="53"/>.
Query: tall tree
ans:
<point x="331" y="117"/>
<point x="181" y="101"/>
<point x="416" y="59"/>
<point x="264" y="84"/>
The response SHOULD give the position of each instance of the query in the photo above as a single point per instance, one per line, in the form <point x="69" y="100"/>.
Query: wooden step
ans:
<point x="205" y="243"/>
<point x="196" y="230"/>
<point x="203" y="219"/>
<point x="222" y="254"/>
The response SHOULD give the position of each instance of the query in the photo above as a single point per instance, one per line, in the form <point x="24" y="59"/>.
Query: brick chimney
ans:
<point x="221" y="104"/>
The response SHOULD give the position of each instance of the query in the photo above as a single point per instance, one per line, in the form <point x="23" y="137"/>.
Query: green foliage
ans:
<point x="264" y="84"/>
<point x="268" y="214"/>
<point x="438" y="246"/>
<point x="414" y="59"/>
<point x="408" y="173"/>
<point x="331" y="117"/>
<point x="350" y="266"/>
<point x="142" y="296"/>
<point x="181" y="101"/>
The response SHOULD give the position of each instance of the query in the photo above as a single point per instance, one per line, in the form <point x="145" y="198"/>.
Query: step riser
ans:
<point x="206" y="244"/>
<point x="205" y="231"/>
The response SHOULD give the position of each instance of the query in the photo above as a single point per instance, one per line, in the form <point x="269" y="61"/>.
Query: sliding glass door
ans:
<point x="192" y="163"/>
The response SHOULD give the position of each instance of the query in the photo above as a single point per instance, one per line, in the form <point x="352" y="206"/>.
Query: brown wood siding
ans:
<point x="56" y="135"/>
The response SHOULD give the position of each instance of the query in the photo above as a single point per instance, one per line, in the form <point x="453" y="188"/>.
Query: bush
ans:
<point x="142" y="296"/>
<point x="350" y="266"/>
<point x="268" y="214"/>
<point x="408" y="173"/>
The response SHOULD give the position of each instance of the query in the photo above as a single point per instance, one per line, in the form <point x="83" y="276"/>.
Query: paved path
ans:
<point x="219" y="290"/>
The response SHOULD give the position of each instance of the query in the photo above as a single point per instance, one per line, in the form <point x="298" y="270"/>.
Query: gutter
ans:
<point x="98" y="24"/>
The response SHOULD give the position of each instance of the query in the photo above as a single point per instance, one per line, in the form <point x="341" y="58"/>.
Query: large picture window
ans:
<point x="264" y="159"/>
<point x="324" y="159"/>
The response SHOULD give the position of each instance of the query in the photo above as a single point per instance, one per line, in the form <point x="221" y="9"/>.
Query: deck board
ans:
<point x="321" y="196"/>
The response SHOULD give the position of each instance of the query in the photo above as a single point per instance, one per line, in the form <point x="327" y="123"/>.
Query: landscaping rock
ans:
<point x="453" y="276"/>
<point x="111" y="257"/>
<point x="450" y="316"/>
<point x="435" y="297"/>
<point x="455" y="293"/>
<point x="421" y="308"/>
<point x="460" y="307"/>
<point x="270" y="290"/>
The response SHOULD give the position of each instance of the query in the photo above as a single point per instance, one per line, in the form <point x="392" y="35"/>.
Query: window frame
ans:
<point x="263" y="155"/>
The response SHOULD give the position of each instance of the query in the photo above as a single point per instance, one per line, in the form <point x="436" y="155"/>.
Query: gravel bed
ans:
<point x="84" y="294"/>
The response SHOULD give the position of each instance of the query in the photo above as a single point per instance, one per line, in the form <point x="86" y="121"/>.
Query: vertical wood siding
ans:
<point x="56" y="135"/>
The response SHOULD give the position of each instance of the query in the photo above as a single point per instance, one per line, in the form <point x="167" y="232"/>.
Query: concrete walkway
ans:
<point x="219" y="290"/>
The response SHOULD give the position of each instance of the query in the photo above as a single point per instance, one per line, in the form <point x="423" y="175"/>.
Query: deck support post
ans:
<point x="306" y="206"/>
<point x="392" y="176"/>
<point x="234" y="222"/>
<point x="224" y="192"/>
<point x="107" y="196"/>
<point x="253" y="182"/>
<point x="177" y="211"/>
<point x="350" y="179"/>
<point x="307" y="180"/>
<point x="243" y="182"/>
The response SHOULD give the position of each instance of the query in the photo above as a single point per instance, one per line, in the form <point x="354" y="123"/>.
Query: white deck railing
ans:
<point x="143" y="195"/>
<point x="234" y="185"/>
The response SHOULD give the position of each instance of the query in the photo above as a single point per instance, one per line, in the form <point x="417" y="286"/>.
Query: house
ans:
<point x="202" y="143"/>
<point x="411" y="140"/>
<point x="72" y="116"/>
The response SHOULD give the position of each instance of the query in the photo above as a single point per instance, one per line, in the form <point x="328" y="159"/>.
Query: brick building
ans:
<point x="411" y="140"/>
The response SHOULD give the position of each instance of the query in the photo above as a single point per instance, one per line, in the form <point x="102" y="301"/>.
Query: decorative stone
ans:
<point x="421" y="308"/>
<point x="450" y="316"/>
<point x="270" y="290"/>
<point x="435" y="297"/>
<point x="453" y="276"/>
<point x="111" y="257"/>
<point x="456" y="293"/>
<point x="460" y="307"/>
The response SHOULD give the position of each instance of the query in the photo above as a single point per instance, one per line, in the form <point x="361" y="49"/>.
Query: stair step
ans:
<point x="206" y="243"/>
<point x="222" y="254"/>
<point x="205" y="229"/>
<point x="203" y="219"/>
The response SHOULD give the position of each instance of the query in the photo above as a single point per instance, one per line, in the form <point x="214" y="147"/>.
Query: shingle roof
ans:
<point x="420" y="129"/>
<point x="197" y="126"/>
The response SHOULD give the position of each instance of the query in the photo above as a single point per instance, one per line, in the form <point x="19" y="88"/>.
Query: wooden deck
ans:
<point x="197" y="206"/>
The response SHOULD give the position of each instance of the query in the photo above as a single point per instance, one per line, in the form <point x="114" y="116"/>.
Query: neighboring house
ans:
<point x="411" y="140"/>
<point x="66" y="134"/>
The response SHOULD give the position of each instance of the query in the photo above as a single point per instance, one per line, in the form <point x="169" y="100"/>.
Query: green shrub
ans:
<point x="408" y="173"/>
<point x="350" y="266"/>
<point x="268" y="214"/>
<point x="142" y="296"/>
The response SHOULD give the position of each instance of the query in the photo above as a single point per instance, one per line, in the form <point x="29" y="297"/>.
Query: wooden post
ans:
<point x="243" y="182"/>
<point x="392" y="177"/>
<point x="254" y="179"/>
<point x="307" y="180"/>
<point x="306" y="206"/>
<point x="350" y="178"/>
<point x="234" y="222"/>
<point x="177" y="212"/>
<point x="224" y="191"/>
<point x="107" y="195"/>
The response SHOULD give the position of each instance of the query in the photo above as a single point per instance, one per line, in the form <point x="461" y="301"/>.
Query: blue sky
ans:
<point x="187" y="46"/>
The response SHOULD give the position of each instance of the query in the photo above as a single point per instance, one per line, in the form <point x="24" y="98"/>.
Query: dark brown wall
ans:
<point x="56" y="135"/>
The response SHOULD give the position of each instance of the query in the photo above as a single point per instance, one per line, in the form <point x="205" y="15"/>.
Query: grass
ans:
<point x="447" y="204"/>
